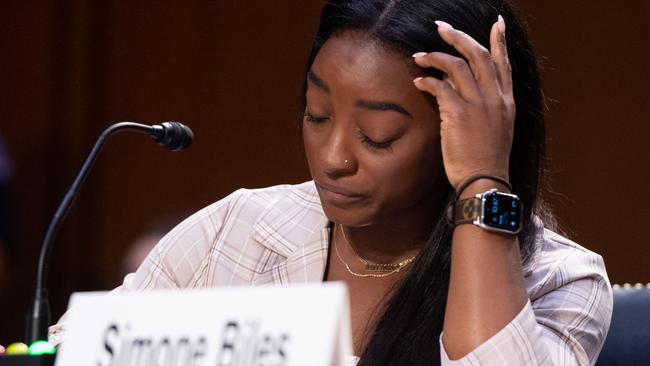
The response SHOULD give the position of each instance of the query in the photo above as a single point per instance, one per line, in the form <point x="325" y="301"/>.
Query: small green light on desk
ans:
<point x="41" y="348"/>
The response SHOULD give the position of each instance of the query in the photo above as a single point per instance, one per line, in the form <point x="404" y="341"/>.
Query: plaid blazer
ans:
<point x="280" y="235"/>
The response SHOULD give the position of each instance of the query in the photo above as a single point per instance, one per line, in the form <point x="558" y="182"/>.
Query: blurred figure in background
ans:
<point x="143" y="243"/>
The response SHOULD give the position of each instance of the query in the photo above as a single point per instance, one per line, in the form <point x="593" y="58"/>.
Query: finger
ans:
<point x="444" y="93"/>
<point x="456" y="69"/>
<point x="499" y="49"/>
<point x="445" y="78"/>
<point x="479" y="57"/>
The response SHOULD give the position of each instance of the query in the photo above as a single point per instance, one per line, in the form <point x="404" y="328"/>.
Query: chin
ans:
<point x="350" y="216"/>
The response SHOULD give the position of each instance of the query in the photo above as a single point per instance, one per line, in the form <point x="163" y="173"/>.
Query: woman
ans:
<point x="406" y="120"/>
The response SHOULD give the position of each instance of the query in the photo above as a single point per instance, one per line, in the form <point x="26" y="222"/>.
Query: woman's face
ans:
<point x="372" y="139"/>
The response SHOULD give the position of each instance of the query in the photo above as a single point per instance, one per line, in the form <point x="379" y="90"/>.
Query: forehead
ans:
<point x="353" y="63"/>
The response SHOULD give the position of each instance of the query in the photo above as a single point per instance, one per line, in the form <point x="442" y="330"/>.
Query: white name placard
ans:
<point x="239" y="326"/>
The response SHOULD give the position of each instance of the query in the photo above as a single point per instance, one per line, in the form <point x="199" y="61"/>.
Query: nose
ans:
<point x="338" y="155"/>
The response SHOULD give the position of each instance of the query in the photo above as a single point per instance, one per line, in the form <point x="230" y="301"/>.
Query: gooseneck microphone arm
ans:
<point x="172" y="135"/>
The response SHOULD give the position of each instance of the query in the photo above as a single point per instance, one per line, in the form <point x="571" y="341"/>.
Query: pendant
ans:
<point x="382" y="267"/>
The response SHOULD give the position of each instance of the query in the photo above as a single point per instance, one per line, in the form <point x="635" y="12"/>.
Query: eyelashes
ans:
<point x="385" y="145"/>
<point x="375" y="145"/>
<point x="316" y="120"/>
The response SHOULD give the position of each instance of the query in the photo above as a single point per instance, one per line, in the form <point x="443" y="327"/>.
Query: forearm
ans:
<point x="486" y="288"/>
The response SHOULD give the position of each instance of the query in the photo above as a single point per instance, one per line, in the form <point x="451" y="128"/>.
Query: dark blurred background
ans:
<point x="232" y="70"/>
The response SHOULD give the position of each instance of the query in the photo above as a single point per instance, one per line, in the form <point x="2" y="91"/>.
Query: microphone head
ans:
<point x="173" y="135"/>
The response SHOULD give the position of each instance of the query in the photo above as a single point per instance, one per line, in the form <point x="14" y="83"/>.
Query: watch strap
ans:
<point x="465" y="211"/>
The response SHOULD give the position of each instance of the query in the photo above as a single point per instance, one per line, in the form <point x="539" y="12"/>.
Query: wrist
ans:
<point x="482" y="185"/>
<point x="460" y="189"/>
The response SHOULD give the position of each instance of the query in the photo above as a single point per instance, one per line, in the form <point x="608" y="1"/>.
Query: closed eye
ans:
<point x="313" y="119"/>
<point x="375" y="145"/>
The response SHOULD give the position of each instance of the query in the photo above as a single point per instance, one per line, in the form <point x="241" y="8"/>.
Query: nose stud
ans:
<point x="346" y="161"/>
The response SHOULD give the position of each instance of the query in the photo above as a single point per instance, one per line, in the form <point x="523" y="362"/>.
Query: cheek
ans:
<point x="308" y="144"/>
<point x="411" y="172"/>
<point x="311" y="143"/>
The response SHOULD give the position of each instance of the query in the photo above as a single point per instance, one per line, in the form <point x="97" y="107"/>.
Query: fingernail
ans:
<point x="501" y="24"/>
<point x="417" y="79"/>
<point x="419" y="54"/>
<point x="443" y="25"/>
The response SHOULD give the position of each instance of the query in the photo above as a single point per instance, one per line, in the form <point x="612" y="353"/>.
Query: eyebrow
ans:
<point x="382" y="106"/>
<point x="365" y="104"/>
<point x="317" y="81"/>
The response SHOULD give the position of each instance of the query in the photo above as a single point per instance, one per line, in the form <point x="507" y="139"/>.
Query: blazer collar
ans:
<point x="296" y="229"/>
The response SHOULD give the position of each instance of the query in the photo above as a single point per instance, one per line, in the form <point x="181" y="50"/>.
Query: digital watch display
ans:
<point x="491" y="210"/>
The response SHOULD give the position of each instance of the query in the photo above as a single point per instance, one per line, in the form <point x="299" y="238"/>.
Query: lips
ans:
<point x="339" y="196"/>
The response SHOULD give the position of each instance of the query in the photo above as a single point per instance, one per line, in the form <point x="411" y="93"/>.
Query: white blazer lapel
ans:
<point x="296" y="232"/>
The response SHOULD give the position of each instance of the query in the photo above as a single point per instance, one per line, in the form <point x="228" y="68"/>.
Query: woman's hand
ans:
<point x="475" y="101"/>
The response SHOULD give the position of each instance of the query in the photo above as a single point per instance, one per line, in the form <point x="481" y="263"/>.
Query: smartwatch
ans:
<point x="491" y="210"/>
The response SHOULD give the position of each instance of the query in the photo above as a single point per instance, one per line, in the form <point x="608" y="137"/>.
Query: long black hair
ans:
<point x="408" y="331"/>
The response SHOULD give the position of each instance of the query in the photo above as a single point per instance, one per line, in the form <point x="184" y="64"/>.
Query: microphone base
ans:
<point x="26" y="360"/>
<point x="39" y="318"/>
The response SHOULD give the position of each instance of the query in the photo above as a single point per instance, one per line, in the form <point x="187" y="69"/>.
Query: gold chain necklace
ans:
<point x="387" y="269"/>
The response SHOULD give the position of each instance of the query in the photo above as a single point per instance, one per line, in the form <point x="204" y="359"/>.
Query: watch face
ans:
<point x="502" y="211"/>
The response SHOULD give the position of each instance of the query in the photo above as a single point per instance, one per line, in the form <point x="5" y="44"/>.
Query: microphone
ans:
<point x="172" y="135"/>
